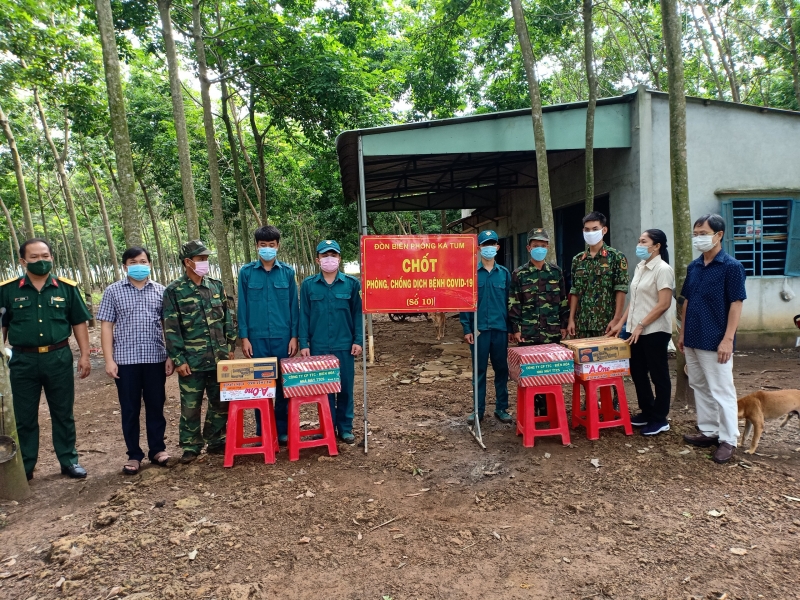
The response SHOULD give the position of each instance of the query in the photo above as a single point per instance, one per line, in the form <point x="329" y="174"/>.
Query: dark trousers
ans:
<point x="492" y="344"/>
<point x="649" y="361"/>
<point x="53" y="371"/>
<point x="136" y="382"/>
<point x="341" y="403"/>
<point x="279" y="348"/>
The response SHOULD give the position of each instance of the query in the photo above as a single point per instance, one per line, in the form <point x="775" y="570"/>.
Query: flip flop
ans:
<point x="161" y="459"/>
<point x="131" y="467"/>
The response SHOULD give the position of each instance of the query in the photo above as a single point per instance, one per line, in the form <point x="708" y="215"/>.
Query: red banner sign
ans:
<point x="419" y="273"/>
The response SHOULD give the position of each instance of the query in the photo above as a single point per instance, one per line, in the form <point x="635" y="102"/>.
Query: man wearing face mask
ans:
<point x="41" y="311"/>
<point x="132" y="337"/>
<point x="599" y="283"/>
<point x="330" y="323"/>
<point x="714" y="292"/>
<point x="537" y="305"/>
<point x="198" y="330"/>
<point x="494" y="282"/>
<point x="268" y="312"/>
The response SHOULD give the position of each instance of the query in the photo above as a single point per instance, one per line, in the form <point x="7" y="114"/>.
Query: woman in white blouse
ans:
<point x="650" y="325"/>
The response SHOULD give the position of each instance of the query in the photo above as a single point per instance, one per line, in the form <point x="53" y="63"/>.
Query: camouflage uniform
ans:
<point x="199" y="331"/>
<point x="596" y="281"/>
<point x="537" y="304"/>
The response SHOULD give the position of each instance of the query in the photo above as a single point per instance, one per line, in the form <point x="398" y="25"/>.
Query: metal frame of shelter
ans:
<point x="464" y="162"/>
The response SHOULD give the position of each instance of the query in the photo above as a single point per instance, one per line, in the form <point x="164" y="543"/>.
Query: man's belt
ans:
<point x="41" y="349"/>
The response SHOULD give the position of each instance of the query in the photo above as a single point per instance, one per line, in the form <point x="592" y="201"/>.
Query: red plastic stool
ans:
<point x="556" y="417"/>
<point x="590" y="416"/>
<point x="295" y="443"/>
<point x="234" y="444"/>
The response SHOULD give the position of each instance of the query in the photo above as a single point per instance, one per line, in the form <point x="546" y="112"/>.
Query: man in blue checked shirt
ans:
<point x="330" y="323"/>
<point x="268" y="312"/>
<point x="132" y="337"/>
<point x="494" y="282"/>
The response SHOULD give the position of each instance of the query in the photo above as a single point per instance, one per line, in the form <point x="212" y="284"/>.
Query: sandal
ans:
<point x="131" y="467"/>
<point x="161" y="459"/>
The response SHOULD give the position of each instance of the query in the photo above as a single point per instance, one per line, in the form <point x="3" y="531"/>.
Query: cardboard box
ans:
<point x="310" y="375"/>
<point x="603" y="370"/>
<point x="256" y="389"/>
<point x="247" y="369"/>
<point x="546" y="364"/>
<point x="598" y="349"/>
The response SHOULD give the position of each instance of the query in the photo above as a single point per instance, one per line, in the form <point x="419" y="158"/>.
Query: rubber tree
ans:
<point x="591" y="80"/>
<point x="179" y="119"/>
<point x="27" y="221"/>
<point x="13" y="483"/>
<point x="112" y="250"/>
<point x="679" y="170"/>
<point x="542" y="172"/>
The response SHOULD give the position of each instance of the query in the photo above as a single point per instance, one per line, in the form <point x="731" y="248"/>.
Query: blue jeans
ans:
<point x="342" y="402"/>
<point x="279" y="348"/>
<point x="492" y="344"/>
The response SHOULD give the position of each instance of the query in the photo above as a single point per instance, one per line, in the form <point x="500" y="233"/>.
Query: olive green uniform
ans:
<point x="199" y="331"/>
<point x="537" y="304"/>
<point x="596" y="281"/>
<point x="40" y="319"/>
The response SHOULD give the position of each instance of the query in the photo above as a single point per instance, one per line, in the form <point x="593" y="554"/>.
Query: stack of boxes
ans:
<point x="247" y="378"/>
<point x="310" y="375"/>
<point x="600" y="357"/>
<point x="546" y="364"/>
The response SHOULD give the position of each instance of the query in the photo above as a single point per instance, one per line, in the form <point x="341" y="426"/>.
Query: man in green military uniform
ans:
<point x="40" y="313"/>
<point x="198" y="331"/>
<point x="537" y="304"/>
<point x="599" y="283"/>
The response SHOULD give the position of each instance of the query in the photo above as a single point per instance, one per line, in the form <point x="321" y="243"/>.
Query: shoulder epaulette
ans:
<point x="68" y="281"/>
<point x="7" y="281"/>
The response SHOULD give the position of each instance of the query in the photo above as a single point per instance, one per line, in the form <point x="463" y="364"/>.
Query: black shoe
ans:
<point x="188" y="456"/>
<point x="639" y="420"/>
<point x="216" y="450"/>
<point x="29" y="476"/>
<point x="75" y="471"/>
<point x="700" y="440"/>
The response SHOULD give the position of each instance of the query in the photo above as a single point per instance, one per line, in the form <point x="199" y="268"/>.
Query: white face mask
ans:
<point x="703" y="243"/>
<point x="593" y="237"/>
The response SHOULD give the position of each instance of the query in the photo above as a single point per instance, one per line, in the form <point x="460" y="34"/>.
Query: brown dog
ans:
<point x="759" y="406"/>
<point x="439" y="321"/>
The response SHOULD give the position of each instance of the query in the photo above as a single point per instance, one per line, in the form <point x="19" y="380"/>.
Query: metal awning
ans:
<point x="467" y="162"/>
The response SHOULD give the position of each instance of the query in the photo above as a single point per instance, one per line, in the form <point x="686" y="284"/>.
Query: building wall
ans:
<point x="729" y="147"/>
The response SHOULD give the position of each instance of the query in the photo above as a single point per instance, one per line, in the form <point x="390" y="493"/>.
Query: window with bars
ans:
<point x="758" y="234"/>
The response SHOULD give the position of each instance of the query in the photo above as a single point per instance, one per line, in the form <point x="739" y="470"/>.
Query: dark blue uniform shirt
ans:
<point x="330" y="314"/>
<point x="710" y="290"/>
<point x="493" y="290"/>
<point x="268" y="305"/>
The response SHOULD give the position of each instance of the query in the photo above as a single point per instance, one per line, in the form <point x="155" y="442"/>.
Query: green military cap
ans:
<point x="194" y="248"/>
<point x="326" y="245"/>
<point x="540" y="234"/>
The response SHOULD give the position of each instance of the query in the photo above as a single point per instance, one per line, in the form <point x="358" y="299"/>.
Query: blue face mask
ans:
<point x="538" y="254"/>
<point x="488" y="251"/>
<point x="139" y="272"/>
<point x="642" y="252"/>
<point x="268" y="253"/>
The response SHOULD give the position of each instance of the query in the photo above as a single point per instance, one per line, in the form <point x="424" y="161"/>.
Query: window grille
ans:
<point x="757" y="233"/>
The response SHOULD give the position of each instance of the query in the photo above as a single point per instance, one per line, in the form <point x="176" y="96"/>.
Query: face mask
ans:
<point x="201" y="268"/>
<point x="642" y="252"/>
<point x="268" y="253"/>
<point x="593" y="237"/>
<point x="139" y="272"/>
<point x="39" y="267"/>
<point x="703" y="243"/>
<point x="329" y="264"/>
<point x="488" y="251"/>
<point x="538" y="254"/>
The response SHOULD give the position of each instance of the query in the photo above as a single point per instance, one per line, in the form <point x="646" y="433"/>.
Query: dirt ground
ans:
<point x="426" y="514"/>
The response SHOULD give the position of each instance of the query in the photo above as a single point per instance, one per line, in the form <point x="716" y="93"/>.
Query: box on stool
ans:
<point x="603" y="370"/>
<point x="546" y="364"/>
<point x="247" y="369"/>
<point x="310" y="375"/>
<point x="598" y="349"/>
<point x="255" y="389"/>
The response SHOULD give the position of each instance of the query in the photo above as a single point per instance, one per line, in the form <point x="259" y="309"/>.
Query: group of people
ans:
<point x="149" y="332"/>
<point x="533" y="306"/>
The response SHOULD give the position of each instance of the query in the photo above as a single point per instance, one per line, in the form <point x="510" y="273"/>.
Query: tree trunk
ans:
<point x="707" y="51"/>
<point x="179" y="118"/>
<point x="11" y="228"/>
<point x="442" y="216"/>
<point x="23" y="193"/>
<point x="723" y="54"/>
<point x="262" y="186"/>
<point x="97" y="256"/>
<point x="793" y="51"/>
<point x="59" y="159"/>
<point x="39" y="194"/>
<point x="679" y="178"/>
<point x="112" y="250"/>
<point x="156" y="234"/>
<point x="591" y="80"/>
<point x="246" y="155"/>
<point x="419" y="223"/>
<point x="13" y="484"/>
<point x="223" y="255"/>
<point x="237" y="174"/>
<point x="64" y="240"/>
<point x="542" y="173"/>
